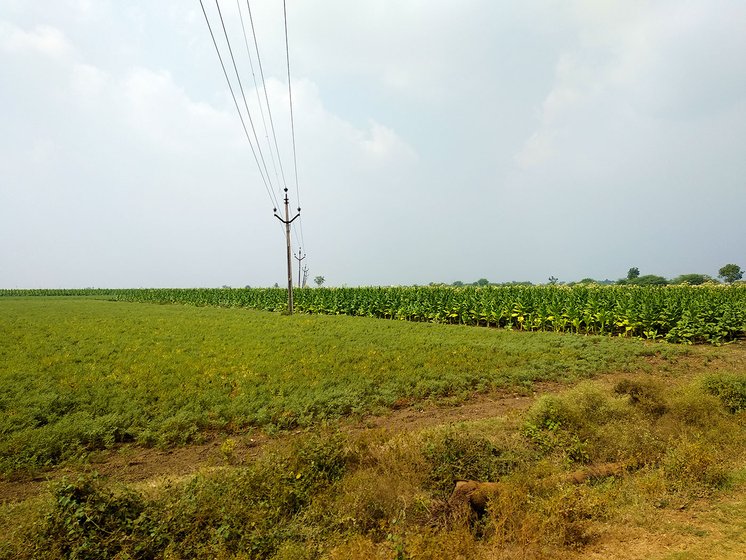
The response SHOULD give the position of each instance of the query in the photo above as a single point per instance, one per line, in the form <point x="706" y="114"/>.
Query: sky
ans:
<point x="435" y="141"/>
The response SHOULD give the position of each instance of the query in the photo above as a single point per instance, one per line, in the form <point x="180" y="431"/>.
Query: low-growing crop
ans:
<point x="78" y="375"/>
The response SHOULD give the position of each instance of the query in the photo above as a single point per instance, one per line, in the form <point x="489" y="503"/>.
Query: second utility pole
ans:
<point x="299" y="258"/>
<point x="287" y="221"/>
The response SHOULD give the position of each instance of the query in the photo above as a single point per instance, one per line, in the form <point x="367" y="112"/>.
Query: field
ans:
<point x="227" y="432"/>
<point x="682" y="314"/>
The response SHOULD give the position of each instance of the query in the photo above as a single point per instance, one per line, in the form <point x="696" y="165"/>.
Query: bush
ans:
<point x="254" y="509"/>
<point x="455" y="454"/>
<point x="695" y="466"/>
<point x="730" y="388"/>
<point x="646" y="395"/>
<point x="571" y="424"/>
<point x="89" y="521"/>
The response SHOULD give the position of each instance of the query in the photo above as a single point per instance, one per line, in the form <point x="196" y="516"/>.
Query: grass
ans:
<point x="80" y="374"/>
<point x="330" y="494"/>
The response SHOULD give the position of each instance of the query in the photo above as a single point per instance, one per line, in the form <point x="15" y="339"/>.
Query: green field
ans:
<point x="79" y="374"/>
<point x="85" y="381"/>
<point x="681" y="314"/>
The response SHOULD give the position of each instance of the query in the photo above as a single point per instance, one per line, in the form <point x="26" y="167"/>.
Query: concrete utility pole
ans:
<point x="287" y="221"/>
<point x="305" y="276"/>
<point x="299" y="258"/>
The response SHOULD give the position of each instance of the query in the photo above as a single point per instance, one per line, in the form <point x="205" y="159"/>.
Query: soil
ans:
<point x="132" y="464"/>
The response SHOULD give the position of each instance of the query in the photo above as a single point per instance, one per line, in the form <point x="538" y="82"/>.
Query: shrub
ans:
<point x="571" y="424"/>
<point x="730" y="388"/>
<point x="89" y="521"/>
<point x="455" y="454"/>
<point x="646" y="395"/>
<point x="695" y="466"/>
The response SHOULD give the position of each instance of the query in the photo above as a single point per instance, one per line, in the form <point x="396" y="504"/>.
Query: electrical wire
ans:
<point x="264" y="87"/>
<point x="243" y="95"/>
<point x="292" y="119"/>
<point x="258" y="97"/>
<point x="238" y="109"/>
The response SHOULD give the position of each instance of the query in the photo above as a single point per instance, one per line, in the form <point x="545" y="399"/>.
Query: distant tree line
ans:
<point x="729" y="273"/>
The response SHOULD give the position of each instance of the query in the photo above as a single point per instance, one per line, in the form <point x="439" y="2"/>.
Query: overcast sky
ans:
<point x="436" y="141"/>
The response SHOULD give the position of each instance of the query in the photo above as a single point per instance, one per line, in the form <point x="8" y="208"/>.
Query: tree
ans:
<point x="457" y="283"/>
<point x="633" y="273"/>
<point x="482" y="282"/>
<point x="730" y="273"/>
<point x="319" y="280"/>
<point x="553" y="280"/>
<point x="691" y="279"/>
<point x="648" y="280"/>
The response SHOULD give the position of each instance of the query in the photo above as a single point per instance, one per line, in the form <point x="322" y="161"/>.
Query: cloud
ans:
<point x="88" y="81"/>
<point x="538" y="149"/>
<point x="383" y="144"/>
<point x="434" y="140"/>
<point x="669" y="61"/>
<point x="43" y="39"/>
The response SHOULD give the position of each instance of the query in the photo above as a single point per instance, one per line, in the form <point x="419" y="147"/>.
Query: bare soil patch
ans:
<point x="131" y="463"/>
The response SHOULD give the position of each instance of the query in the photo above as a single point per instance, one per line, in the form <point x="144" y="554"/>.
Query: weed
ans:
<point x="730" y="388"/>
<point x="89" y="521"/>
<point x="454" y="454"/>
<point x="695" y="466"/>
<point x="647" y="395"/>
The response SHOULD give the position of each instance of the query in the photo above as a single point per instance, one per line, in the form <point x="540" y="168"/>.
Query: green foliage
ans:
<point x="253" y="509"/>
<point x="327" y="495"/>
<point x="79" y="375"/>
<point x="454" y="454"/>
<point x="568" y="425"/>
<point x="90" y="521"/>
<point x="647" y="280"/>
<point x="692" y="279"/>
<point x="633" y="273"/>
<point x="641" y="307"/>
<point x="682" y="431"/>
<point x="730" y="273"/>
<point x="730" y="388"/>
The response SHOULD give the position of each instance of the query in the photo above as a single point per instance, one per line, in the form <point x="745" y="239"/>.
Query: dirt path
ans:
<point x="136" y="464"/>
<point x="132" y="463"/>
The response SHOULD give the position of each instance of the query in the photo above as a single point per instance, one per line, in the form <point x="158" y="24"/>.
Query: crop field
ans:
<point x="81" y="374"/>
<point x="679" y="314"/>
<point x="334" y="434"/>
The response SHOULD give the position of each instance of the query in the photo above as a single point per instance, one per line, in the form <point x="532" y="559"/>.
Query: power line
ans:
<point x="264" y="86"/>
<point x="240" y="85"/>
<point x="235" y="101"/>
<point x="292" y="119"/>
<point x="256" y="90"/>
<point x="257" y="152"/>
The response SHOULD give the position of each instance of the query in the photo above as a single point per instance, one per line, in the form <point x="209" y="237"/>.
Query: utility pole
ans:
<point x="287" y="221"/>
<point x="305" y="276"/>
<point x="299" y="258"/>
